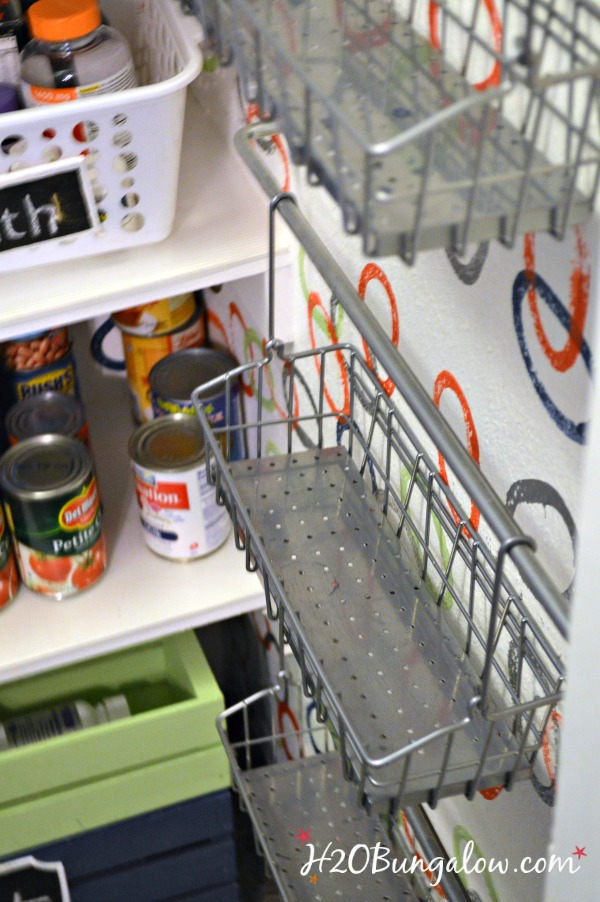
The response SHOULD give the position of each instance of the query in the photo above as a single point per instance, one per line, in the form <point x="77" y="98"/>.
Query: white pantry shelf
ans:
<point x="141" y="596"/>
<point x="220" y="234"/>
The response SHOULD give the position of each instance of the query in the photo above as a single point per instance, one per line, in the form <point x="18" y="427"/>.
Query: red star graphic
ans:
<point x="304" y="836"/>
<point x="580" y="852"/>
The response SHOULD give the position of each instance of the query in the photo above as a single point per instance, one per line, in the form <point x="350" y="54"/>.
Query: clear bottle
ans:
<point x="72" y="54"/>
<point x="57" y="720"/>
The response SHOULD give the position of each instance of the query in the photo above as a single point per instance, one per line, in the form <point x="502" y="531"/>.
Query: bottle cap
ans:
<point x="63" y="20"/>
<point x="114" y="707"/>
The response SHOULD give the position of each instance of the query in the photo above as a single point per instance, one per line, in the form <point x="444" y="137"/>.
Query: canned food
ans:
<point x="36" y="350"/>
<point x="9" y="576"/>
<point x="173" y="379"/>
<point x="59" y="375"/>
<point x="54" y="513"/>
<point x="178" y="510"/>
<point x="143" y="351"/>
<point x="157" y="317"/>
<point x="50" y="411"/>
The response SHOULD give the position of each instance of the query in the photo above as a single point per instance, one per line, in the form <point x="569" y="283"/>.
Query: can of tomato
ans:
<point x="173" y="379"/>
<point x="54" y="513"/>
<point x="9" y="577"/>
<point x="178" y="510"/>
<point x="47" y="412"/>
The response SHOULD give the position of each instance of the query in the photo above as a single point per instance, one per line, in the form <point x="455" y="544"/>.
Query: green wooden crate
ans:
<point x="167" y="751"/>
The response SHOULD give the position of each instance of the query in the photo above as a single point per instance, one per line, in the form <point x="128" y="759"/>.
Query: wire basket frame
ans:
<point x="214" y="48"/>
<point x="433" y="124"/>
<point x="283" y="795"/>
<point x="408" y="625"/>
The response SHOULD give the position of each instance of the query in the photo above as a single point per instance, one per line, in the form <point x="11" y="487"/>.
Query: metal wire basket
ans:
<point x="432" y="124"/>
<point x="300" y="807"/>
<point x="407" y="617"/>
<point x="424" y="661"/>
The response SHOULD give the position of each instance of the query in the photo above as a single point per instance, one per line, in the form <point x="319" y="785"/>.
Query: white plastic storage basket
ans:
<point x="121" y="151"/>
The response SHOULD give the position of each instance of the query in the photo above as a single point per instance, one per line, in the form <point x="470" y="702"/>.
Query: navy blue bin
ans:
<point x="183" y="853"/>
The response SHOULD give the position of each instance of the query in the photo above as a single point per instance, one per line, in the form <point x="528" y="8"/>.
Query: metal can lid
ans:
<point x="50" y="411"/>
<point x="44" y="466"/>
<point x="177" y="375"/>
<point x="171" y="443"/>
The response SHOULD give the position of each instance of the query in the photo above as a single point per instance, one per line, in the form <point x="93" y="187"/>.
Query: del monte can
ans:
<point x="54" y="513"/>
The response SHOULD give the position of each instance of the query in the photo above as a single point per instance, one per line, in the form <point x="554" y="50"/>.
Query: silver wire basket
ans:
<point x="433" y="124"/>
<point x="409" y="625"/>
<point x="287" y="796"/>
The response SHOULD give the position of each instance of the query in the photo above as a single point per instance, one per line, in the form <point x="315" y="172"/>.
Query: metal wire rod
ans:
<point x="428" y="840"/>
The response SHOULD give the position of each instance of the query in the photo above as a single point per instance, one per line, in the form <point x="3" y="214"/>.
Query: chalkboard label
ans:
<point x="28" y="880"/>
<point x="45" y="203"/>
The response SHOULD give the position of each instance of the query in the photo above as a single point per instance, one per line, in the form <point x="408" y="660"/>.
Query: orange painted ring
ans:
<point x="215" y="321"/>
<point x="284" y="710"/>
<point x="580" y="285"/>
<point x="446" y="380"/>
<point x="553" y="726"/>
<point x="314" y="302"/>
<point x="372" y="272"/>
<point x="493" y="78"/>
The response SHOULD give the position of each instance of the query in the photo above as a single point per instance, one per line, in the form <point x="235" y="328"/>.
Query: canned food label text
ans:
<point x="60" y="378"/>
<point x="79" y="512"/>
<point x="63" y="526"/>
<point x="163" y="406"/>
<point x="171" y="495"/>
<point x="179" y="514"/>
<point x="216" y="414"/>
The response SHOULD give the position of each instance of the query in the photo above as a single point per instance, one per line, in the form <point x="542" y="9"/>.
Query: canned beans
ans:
<point x="31" y="352"/>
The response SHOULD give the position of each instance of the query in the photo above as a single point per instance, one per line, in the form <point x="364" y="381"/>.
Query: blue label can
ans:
<point x="173" y="379"/>
<point x="59" y="375"/>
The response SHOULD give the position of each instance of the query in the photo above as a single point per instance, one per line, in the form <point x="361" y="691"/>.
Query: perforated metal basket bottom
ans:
<point x="309" y="799"/>
<point x="375" y="633"/>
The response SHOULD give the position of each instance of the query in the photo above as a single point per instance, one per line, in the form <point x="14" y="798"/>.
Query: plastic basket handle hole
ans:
<point x="125" y="162"/>
<point x="14" y="145"/>
<point x="133" y="222"/>
<point x="131" y="199"/>
<point x="52" y="153"/>
<point x="86" y="131"/>
<point x="122" y="139"/>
